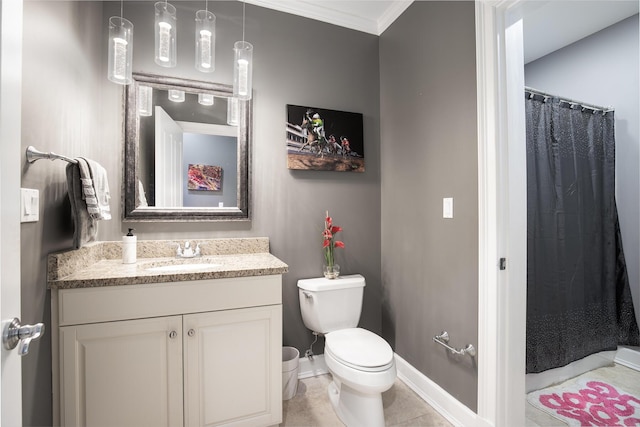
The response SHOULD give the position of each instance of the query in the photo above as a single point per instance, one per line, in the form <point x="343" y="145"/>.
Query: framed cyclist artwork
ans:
<point x="321" y="139"/>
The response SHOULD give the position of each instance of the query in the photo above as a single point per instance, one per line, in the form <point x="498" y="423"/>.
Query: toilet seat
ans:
<point x="359" y="349"/>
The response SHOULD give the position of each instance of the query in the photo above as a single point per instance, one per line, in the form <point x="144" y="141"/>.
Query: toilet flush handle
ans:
<point x="307" y="295"/>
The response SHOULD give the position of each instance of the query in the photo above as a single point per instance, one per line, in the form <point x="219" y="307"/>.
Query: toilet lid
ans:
<point x="359" y="348"/>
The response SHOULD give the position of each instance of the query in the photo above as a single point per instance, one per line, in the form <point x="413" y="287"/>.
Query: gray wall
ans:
<point x="602" y="69"/>
<point x="214" y="150"/>
<point x="429" y="151"/>
<point x="71" y="108"/>
<point x="68" y="107"/>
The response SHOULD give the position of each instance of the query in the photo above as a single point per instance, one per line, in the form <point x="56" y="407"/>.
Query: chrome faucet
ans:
<point x="188" y="251"/>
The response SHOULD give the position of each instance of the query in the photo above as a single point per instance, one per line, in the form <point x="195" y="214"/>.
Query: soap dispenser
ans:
<point x="129" y="248"/>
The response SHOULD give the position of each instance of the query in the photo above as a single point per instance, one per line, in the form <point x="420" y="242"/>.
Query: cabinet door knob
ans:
<point x="191" y="332"/>
<point x="173" y="334"/>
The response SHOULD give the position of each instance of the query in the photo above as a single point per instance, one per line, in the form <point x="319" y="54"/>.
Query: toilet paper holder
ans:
<point x="443" y="340"/>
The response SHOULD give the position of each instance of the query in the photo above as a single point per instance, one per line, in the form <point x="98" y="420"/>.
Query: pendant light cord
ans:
<point x="206" y="5"/>
<point x="244" y="4"/>
<point x="121" y="8"/>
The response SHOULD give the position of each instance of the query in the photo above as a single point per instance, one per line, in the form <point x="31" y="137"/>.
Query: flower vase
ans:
<point x="332" y="272"/>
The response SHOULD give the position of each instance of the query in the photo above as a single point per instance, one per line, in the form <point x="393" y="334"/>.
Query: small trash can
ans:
<point x="290" y="359"/>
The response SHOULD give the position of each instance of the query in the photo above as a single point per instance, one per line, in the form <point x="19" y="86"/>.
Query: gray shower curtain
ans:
<point x="578" y="295"/>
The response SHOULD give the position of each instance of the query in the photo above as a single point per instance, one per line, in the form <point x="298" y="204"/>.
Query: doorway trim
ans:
<point x="11" y="18"/>
<point x="502" y="213"/>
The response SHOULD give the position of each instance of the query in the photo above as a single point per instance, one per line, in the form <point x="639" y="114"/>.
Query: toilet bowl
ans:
<point x="361" y="363"/>
<point x="362" y="366"/>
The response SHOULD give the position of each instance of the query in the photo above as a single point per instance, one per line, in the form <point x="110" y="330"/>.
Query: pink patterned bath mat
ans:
<point x="588" y="402"/>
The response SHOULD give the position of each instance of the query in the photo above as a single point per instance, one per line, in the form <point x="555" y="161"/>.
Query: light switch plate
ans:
<point x="29" y="205"/>
<point x="447" y="207"/>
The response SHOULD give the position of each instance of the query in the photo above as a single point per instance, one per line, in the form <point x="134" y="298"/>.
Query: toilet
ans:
<point x="361" y="363"/>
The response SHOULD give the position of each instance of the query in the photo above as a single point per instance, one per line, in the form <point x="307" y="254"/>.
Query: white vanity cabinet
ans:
<point x="126" y="373"/>
<point x="196" y="353"/>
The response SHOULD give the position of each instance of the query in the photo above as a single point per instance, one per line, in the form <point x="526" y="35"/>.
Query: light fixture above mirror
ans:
<point x="119" y="67"/>
<point x="243" y="65"/>
<point x="165" y="46"/>
<point x="205" y="40"/>
<point x="165" y="34"/>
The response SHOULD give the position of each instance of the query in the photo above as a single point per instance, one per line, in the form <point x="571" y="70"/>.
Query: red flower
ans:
<point x="328" y="243"/>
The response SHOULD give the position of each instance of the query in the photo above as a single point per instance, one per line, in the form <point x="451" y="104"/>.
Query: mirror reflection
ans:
<point x="186" y="151"/>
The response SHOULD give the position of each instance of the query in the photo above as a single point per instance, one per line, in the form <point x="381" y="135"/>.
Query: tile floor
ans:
<point x="402" y="407"/>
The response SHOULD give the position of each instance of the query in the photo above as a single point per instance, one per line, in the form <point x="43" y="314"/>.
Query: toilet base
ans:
<point x="356" y="409"/>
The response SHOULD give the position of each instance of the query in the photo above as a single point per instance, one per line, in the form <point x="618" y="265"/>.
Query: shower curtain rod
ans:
<point x="572" y="102"/>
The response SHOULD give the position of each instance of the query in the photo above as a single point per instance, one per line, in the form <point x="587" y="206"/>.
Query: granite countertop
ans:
<point x="100" y="264"/>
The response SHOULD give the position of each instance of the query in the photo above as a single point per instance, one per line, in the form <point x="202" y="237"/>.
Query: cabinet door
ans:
<point x="126" y="373"/>
<point x="233" y="367"/>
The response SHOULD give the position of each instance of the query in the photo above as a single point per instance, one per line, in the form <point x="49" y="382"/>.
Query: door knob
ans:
<point x="15" y="333"/>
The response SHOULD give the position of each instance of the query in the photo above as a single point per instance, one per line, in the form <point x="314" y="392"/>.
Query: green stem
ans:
<point x="328" y="255"/>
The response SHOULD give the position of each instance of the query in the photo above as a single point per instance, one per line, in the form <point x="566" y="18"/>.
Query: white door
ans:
<point x="10" y="123"/>
<point x="169" y="177"/>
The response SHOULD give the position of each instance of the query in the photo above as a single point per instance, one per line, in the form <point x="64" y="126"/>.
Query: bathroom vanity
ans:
<point x="167" y="341"/>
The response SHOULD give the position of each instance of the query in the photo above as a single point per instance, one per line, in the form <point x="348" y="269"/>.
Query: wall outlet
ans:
<point x="447" y="207"/>
<point x="29" y="205"/>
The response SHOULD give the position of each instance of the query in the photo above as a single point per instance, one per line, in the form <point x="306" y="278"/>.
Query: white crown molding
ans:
<point x="392" y="13"/>
<point x="325" y="13"/>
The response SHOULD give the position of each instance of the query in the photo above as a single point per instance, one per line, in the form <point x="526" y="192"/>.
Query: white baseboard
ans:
<point x="629" y="357"/>
<point x="311" y="368"/>
<point x="448" y="406"/>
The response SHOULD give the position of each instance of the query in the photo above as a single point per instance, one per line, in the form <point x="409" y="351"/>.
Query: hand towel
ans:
<point x="95" y="188"/>
<point x="85" y="227"/>
<point x="141" y="198"/>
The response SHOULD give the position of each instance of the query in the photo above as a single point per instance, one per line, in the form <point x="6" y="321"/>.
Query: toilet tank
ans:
<point x="331" y="304"/>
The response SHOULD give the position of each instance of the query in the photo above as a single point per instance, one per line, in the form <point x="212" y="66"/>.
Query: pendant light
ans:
<point x="120" y="49"/>
<point x="145" y="101"/>
<point x="205" y="40"/>
<point x="206" y="99"/>
<point x="165" y="34"/>
<point x="243" y="66"/>
<point x="232" y="111"/>
<point x="176" y="95"/>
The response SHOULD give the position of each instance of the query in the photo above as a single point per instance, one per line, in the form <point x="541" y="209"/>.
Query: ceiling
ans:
<point x="548" y="25"/>
<point x="551" y="25"/>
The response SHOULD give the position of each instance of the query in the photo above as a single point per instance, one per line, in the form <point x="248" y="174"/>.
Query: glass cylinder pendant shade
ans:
<point x="165" y="34"/>
<point x="176" y="95"/>
<point x="243" y="70"/>
<point x="205" y="41"/>
<point x="145" y="100"/>
<point x="120" y="50"/>
<point x="205" y="99"/>
<point x="232" y="111"/>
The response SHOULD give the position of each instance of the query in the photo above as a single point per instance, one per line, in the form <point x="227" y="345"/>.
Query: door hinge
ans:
<point x="503" y="263"/>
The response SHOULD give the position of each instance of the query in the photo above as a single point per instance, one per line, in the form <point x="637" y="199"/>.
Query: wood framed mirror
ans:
<point x="186" y="151"/>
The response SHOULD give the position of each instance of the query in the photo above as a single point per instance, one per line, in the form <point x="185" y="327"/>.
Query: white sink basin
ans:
<point x="182" y="267"/>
